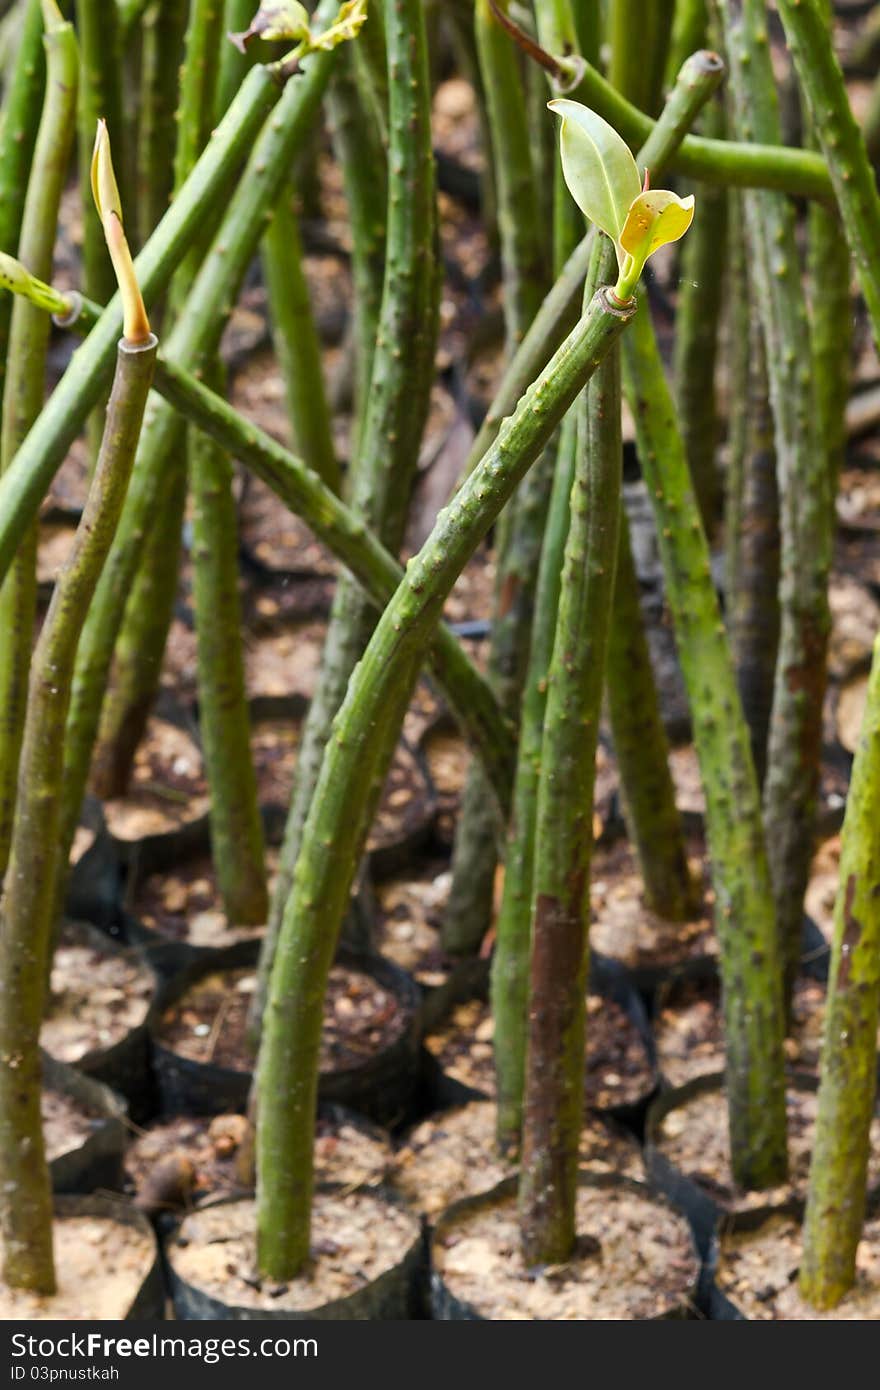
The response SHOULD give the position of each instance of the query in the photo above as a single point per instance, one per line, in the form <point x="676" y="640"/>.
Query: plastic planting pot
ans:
<point x="701" y="1209"/>
<point x="382" y="1088"/>
<point x="124" y="1065"/>
<point x="97" y="1160"/>
<point x="395" y="1295"/>
<point x="148" y="1303"/>
<point x="447" y="1307"/>
<point x="441" y="1090"/>
<point x="719" y="1306"/>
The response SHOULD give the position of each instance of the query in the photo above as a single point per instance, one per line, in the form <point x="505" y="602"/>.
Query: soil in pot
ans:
<point x="183" y="904"/>
<point x="757" y="1272"/>
<point x="84" y="1129"/>
<point x="689" y="1029"/>
<point x="99" y="995"/>
<point x="634" y="1260"/>
<point x="284" y="660"/>
<point x="208" y="1024"/>
<point x="357" y="1237"/>
<point x="618" y="1069"/>
<point x="693" y="1137"/>
<point x="168" y="789"/>
<point x="102" y="1264"/>
<point x="453" y="1155"/>
<point x="625" y="929"/>
<point x="182" y="1162"/>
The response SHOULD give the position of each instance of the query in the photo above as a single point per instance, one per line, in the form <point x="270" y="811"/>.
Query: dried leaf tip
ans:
<point x="136" y="325"/>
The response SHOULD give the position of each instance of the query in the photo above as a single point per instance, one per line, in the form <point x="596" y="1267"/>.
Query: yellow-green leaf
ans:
<point x="275" y="19"/>
<point x="347" y="25"/>
<point x="598" y="165"/>
<point x="654" y="219"/>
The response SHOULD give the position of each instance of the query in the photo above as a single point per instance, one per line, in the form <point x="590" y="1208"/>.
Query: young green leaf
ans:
<point x="135" y="325"/>
<point x="347" y="25"/>
<point x="275" y="19"/>
<point x="599" y="168"/>
<point x="654" y="219"/>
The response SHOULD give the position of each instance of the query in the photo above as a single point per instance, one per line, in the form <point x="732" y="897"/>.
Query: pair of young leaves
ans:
<point x="603" y="178"/>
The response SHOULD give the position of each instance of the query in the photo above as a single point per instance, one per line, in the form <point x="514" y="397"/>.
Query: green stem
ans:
<point x="524" y="265"/>
<point x="344" y="534"/>
<point x="801" y="172"/>
<point x="335" y="829"/>
<point x="18" y="131"/>
<point x="193" y="341"/>
<point x="354" y="109"/>
<point x="140" y="645"/>
<point x="403" y="368"/>
<point x="696" y="338"/>
<point x="639" y="32"/>
<point x="23" y="394"/>
<point x="26" y="1200"/>
<point x="744" y="912"/>
<point x="841" y="1146"/>
<point x="653" y="821"/>
<point x="836" y="129"/>
<point x="26" y="482"/>
<point x="510" y="963"/>
<point x="236" y="827"/>
<point x="689" y="32"/>
<point x="806" y="510"/>
<point x="296" y="343"/>
<point x="753" y="536"/>
<point x="164" y="26"/>
<point x="100" y="98"/>
<point x="553" y="1102"/>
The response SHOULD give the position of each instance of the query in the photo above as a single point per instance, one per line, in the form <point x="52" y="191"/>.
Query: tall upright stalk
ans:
<point x="164" y="26"/>
<point x="639" y="32"/>
<point x="657" y="813"/>
<point x="836" y="129"/>
<point x="805" y="507"/>
<point x="524" y="259"/>
<point x="100" y="98"/>
<point x="194" y="341"/>
<point x="24" y="387"/>
<point x="296" y="342"/>
<point x="696" y="338"/>
<point x="744" y="909"/>
<point x="224" y="724"/>
<point x="140" y="645"/>
<point x="829" y="270"/>
<point x="358" y="117"/>
<point x="19" y="119"/>
<point x="26" y="913"/>
<point x="402" y="371"/>
<point x="554" y="1101"/>
<point x="336" y="825"/>
<point x="752" y="524"/>
<point x="839" y="1163"/>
